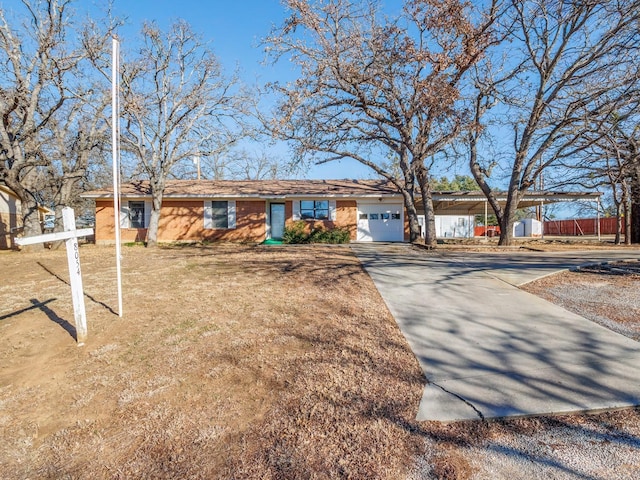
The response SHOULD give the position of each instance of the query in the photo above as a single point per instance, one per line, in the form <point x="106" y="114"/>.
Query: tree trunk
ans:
<point x="627" y="214"/>
<point x="427" y="202"/>
<point x="29" y="212"/>
<point x="412" y="215"/>
<point x="619" y="217"/>
<point x="407" y="189"/>
<point x="154" y="219"/>
<point x="508" y="219"/>
<point x="31" y="223"/>
<point x="635" y="204"/>
<point x="63" y="199"/>
<point x="506" y="232"/>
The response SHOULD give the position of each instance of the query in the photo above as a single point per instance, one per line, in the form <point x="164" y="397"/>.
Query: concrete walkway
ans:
<point x="489" y="349"/>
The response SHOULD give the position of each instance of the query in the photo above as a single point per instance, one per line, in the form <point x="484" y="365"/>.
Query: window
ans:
<point x="396" y="216"/>
<point x="385" y="216"/>
<point x="363" y="216"/>
<point x="314" y="209"/>
<point x="374" y="216"/>
<point x="219" y="214"/>
<point x="136" y="215"/>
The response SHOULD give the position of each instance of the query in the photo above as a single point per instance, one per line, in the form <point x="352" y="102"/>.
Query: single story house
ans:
<point x="253" y="210"/>
<point x="257" y="210"/>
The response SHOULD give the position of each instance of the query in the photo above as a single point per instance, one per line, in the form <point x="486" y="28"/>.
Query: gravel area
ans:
<point x="608" y="294"/>
<point x="564" y="451"/>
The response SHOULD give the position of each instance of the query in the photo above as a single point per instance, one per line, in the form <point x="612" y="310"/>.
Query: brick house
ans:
<point x="257" y="210"/>
<point x="253" y="211"/>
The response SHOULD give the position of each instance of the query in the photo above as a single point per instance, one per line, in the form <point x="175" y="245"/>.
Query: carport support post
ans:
<point x="542" y="219"/>
<point x="598" y="217"/>
<point x="486" y="219"/>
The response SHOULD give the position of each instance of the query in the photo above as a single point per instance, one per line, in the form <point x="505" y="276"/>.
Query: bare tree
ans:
<point x="177" y="104"/>
<point x="34" y="63"/>
<point x="601" y="167"/>
<point x="564" y="71"/>
<point x="236" y="163"/>
<point x="79" y="139"/>
<point x="41" y="52"/>
<point x="623" y="148"/>
<point x="612" y="161"/>
<point x="614" y="173"/>
<point x="372" y="87"/>
<point x="245" y="165"/>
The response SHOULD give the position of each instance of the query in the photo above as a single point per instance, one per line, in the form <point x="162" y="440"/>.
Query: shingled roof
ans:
<point x="452" y="203"/>
<point x="255" y="188"/>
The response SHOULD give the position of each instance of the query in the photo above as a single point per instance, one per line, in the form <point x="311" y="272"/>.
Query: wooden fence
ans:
<point x="581" y="226"/>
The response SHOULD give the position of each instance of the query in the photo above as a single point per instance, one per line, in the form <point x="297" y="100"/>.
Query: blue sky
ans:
<point x="235" y="29"/>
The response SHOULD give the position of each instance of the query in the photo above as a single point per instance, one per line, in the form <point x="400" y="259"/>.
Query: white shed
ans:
<point x="528" y="227"/>
<point x="451" y="226"/>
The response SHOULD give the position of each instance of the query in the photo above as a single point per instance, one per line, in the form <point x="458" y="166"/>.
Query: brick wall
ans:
<point x="251" y="224"/>
<point x="183" y="220"/>
<point x="105" y="230"/>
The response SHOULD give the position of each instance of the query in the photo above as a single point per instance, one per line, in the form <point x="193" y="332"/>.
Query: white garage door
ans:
<point x="378" y="222"/>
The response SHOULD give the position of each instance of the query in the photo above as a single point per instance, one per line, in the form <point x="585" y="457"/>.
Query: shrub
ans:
<point x="296" y="233"/>
<point x="336" y="235"/>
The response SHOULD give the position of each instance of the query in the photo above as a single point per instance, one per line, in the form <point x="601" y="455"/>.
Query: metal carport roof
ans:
<point x="474" y="202"/>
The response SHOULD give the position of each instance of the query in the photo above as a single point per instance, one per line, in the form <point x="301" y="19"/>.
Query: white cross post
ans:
<point x="70" y="236"/>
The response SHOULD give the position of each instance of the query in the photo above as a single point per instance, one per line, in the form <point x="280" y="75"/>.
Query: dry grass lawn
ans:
<point x="230" y="362"/>
<point x="239" y="362"/>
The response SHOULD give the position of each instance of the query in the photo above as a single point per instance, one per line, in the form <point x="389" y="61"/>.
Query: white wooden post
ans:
<point x="542" y="218"/>
<point x="115" y="145"/>
<point x="75" y="275"/>
<point x="70" y="236"/>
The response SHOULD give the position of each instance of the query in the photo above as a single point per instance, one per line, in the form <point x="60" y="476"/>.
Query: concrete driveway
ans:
<point x="489" y="349"/>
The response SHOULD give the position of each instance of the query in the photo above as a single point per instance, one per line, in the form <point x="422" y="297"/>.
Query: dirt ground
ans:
<point x="248" y="362"/>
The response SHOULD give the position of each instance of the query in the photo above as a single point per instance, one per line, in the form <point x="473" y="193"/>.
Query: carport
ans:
<point x="472" y="203"/>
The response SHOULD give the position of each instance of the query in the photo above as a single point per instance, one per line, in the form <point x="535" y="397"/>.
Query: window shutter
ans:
<point x="208" y="215"/>
<point x="231" y="213"/>
<point x="332" y="209"/>
<point x="296" y="210"/>
<point x="125" y="221"/>
<point x="147" y="213"/>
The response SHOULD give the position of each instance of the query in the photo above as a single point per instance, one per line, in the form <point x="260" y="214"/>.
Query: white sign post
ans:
<point x="70" y="236"/>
